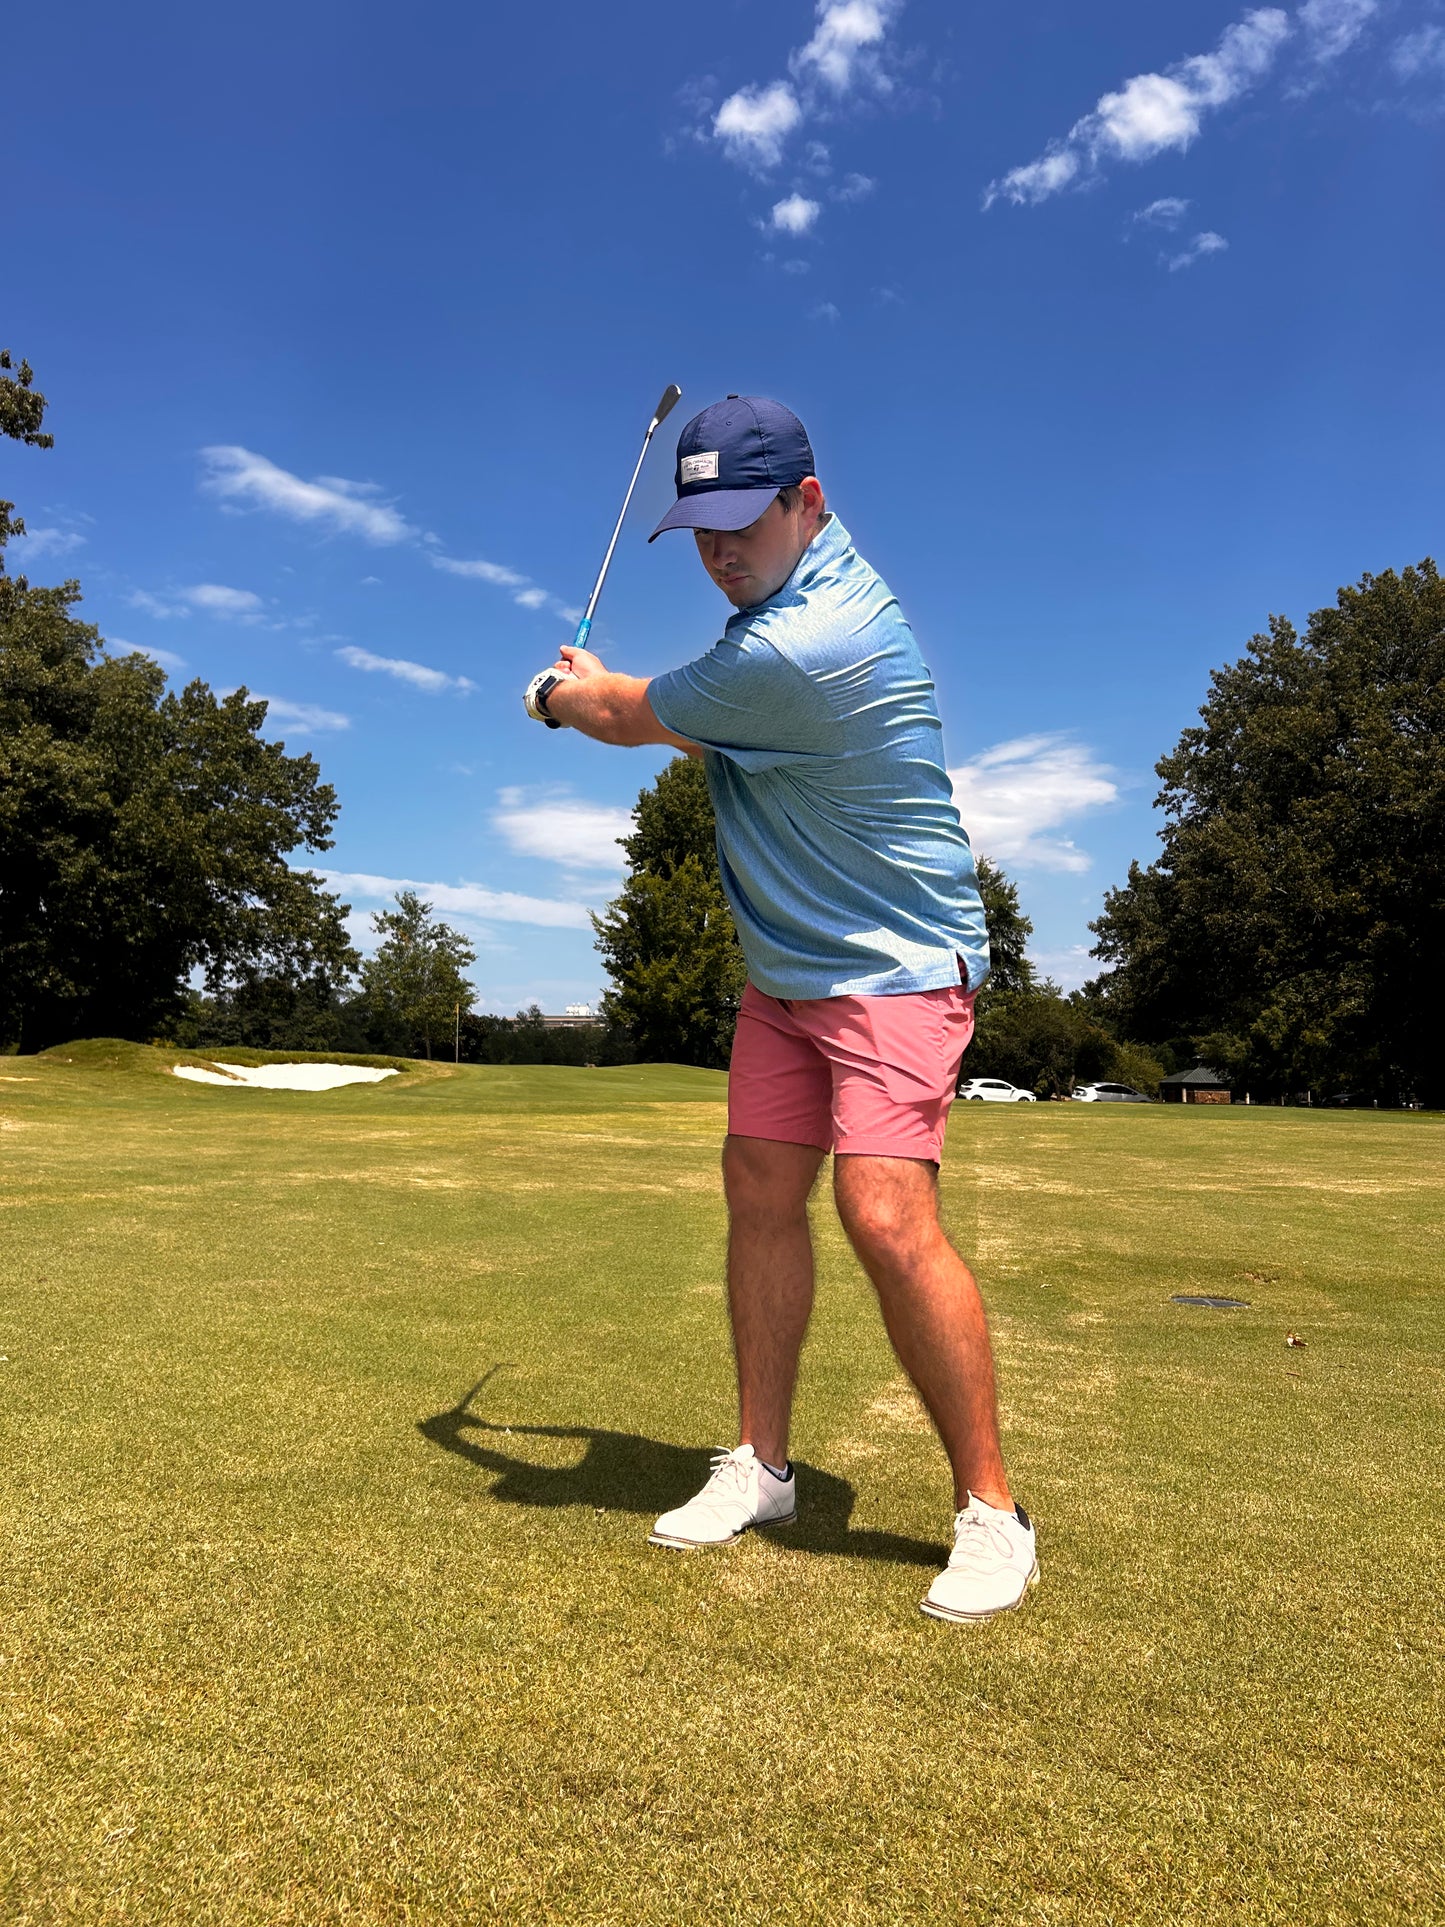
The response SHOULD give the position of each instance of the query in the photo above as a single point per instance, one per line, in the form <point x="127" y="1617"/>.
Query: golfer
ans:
<point x="853" y="888"/>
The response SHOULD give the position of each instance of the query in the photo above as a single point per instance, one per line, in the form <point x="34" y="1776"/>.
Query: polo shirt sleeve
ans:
<point x="744" y="700"/>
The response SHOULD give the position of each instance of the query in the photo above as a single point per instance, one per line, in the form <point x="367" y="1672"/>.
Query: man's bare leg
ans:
<point x="932" y="1309"/>
<point x="770" y="1281"/>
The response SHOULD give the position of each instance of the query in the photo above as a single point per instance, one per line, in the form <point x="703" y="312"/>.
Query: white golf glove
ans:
<point x="534" y="699"/>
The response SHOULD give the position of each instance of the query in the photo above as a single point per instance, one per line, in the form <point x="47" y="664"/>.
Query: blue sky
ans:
<point x="1115" y="329"/>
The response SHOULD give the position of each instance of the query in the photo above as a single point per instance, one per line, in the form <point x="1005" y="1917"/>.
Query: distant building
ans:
<point x="572" y="1018"/>
<point x="1199" y="1086"/>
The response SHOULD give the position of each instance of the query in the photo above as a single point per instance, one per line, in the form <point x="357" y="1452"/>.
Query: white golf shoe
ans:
<point x="992" y="1565"/>
<point x="742" y="1492"/>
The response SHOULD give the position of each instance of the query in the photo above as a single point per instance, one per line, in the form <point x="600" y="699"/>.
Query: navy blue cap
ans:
<point x="732" y="459"/>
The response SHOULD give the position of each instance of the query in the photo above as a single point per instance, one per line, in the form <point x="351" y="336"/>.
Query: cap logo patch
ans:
<point x="699" y="468"/>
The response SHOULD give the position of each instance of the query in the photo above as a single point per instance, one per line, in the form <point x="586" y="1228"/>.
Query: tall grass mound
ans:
<point x="117" y="1054"/>
<point x="330" y="1435"/>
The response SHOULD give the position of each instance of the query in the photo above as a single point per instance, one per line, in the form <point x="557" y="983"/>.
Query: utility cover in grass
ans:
<point x="1211" y="1304"/>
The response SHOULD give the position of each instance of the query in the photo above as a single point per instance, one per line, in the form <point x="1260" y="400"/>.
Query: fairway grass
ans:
<point x="334" y="1423"/>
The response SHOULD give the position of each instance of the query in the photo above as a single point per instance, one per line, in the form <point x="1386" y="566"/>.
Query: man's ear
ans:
<point x="812" y="495"/>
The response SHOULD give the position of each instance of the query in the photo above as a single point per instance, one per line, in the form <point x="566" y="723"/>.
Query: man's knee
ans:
<point x="763" y="1179"/>
<point x="889" y="1206"/>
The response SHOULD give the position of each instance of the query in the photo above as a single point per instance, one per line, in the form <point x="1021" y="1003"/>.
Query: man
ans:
<point x="853" y="888"/>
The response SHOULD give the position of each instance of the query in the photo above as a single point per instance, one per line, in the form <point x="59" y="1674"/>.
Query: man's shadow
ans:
<point x="621" y="1472"/>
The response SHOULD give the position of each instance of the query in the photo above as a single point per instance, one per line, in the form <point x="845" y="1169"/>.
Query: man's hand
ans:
<point x="580" y="663"/>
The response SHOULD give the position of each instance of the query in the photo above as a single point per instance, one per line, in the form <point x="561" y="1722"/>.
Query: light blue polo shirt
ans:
<point x="842" y="855"/>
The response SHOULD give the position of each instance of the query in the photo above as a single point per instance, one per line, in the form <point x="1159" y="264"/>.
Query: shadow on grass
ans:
<point x="621" y="1472"/>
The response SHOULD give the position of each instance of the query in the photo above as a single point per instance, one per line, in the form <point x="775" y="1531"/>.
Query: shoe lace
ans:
<point x="978" y="1542"/>
<point x="729" y="1472"/>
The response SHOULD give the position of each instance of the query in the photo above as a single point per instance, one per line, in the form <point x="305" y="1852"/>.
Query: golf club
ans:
<point x="539" y="684"/>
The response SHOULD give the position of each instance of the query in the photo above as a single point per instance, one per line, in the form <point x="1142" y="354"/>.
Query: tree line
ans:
<point x="1288" y="934"/>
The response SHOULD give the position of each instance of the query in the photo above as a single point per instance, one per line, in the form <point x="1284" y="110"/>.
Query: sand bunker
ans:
<point x="283" y="1077"/>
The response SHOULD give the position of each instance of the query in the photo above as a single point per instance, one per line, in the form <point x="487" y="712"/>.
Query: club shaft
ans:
<point x="579" y="641"/>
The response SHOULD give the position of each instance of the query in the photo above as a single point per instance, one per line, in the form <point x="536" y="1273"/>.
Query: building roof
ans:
<point x="1201" y="1077"/>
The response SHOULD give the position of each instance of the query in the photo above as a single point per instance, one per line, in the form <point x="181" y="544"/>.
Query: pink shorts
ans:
<point x="862" y="1076"/>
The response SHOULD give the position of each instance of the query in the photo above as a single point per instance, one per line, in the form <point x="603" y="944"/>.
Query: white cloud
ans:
<point x="1167" y="212"/>
<point x="795" y="215"/>
<point x="151" y="605"/>
<point x="217" y="600"/>
<point x="211" y="598"/>
<point x="1331" y="27"/>
<point x="116" y="646"/>
<point x="1152" y="113"/>
<point x="844" y="54"/>
<point x="1037" y="180"/>
<point x="528" y="594"/>
<point x="47" y="541"/>
<point x="854" y="187"/>
<point x="238" y="476"/>
<point x="307" y="717"/>
<point x="1421" y="52"/>
<point x="1202" y="244"/>
<point x="842" y="41"/>
<point x="1014" y="793"/>
<point x="433" y="681"/>
<point x="753" y="123"/>
<point x="825" y="311"/>
<point x="797" y="267"/>
<point x="565" y="830"/>
<point x="464" y="899"/>
<point x="494" y="572"/>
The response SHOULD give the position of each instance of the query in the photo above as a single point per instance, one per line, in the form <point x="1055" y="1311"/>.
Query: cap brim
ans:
<point x="718" y="508"/>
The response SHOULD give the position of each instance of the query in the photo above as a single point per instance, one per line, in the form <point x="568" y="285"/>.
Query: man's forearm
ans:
<point x="611" y="709"/>
<point x="606" y="708"/>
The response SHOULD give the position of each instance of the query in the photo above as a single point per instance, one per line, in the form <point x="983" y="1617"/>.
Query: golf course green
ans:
<point x="333" y="1424"/>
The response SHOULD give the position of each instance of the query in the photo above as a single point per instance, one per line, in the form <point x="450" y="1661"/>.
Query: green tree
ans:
<point x="22" y="410"/>
<point x="22" y="406"/>
<point x="668" y="940"/>
<point x="1027" y="1031"/>
<point x="1009" y="931"/>
<point x="1041" y="1041"/>
<point x="1294" y="924"/>
<point x="143" y="837"/>
<point x="526" y="1039"/>
<point x="268" y="1012"/>
<point x="143" y="833"/>
<point x="417" y="979"/>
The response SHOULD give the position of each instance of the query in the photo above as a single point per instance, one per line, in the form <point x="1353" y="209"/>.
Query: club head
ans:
<point x="671" y="396"/>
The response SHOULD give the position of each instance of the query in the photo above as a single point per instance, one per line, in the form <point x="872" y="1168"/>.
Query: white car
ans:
<point x="993" y="1090"/>
<point x="1108" y="1094"/>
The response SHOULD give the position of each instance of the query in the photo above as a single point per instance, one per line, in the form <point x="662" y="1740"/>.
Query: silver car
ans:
<point x="993" y="1090"/>
<point x="1109" y="1094"/>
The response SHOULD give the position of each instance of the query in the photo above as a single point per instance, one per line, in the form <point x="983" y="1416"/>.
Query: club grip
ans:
<point x="584" y="630"/>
